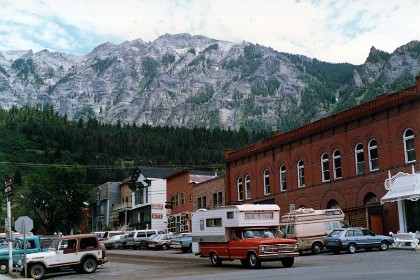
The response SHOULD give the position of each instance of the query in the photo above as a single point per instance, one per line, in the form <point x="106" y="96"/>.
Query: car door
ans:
<point x="348" y="238"/>
<point x="360" y="238"/>
<point x="68" y="252"/>
<point x="372" y="239"/>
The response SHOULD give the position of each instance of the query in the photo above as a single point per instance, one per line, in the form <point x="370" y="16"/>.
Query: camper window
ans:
<point x="217" y="222"/>
<point x="327" y="226"/>
<point x="229" y="215"/>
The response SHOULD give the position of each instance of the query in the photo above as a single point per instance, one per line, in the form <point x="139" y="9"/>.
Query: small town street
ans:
<point x="172" y="264"/>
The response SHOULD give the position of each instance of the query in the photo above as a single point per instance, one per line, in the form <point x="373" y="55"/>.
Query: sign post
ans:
<point x="24" y="225"/>
<point x="8" y="192"/>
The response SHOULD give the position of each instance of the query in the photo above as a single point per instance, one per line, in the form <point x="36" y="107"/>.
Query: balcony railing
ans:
<point x="122" y="206"/>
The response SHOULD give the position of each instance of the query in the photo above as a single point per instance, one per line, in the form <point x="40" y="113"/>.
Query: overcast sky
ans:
<point x="330" y="30"/>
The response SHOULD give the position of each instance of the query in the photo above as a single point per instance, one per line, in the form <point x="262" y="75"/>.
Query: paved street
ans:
<point x="144" y="264"/>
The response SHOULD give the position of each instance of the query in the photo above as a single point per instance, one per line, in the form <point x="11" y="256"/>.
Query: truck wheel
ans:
<point x="164" y="247"/>
<point x="215" y="261"/>
<point x="184" y="250"/>
<point x="316" y="248"/>
<point x="288" y="262"/>
<point x="89" y="265"/>
<point x="253" y="261"/>
<point x="190" y="248"/>
<point x="37" y="271"/>
<point x="4" y="267"/>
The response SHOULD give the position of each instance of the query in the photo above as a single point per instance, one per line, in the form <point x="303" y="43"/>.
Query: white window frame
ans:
<point x="301" y="173"/>
<point x="325" y="167"/>
<point x="356" y="153"/>
<point x="372" y="148"/>
<point x="337" y="158"/>
<point x="406" y="151"/>
<point x="240" y="187"/>
<point x="283" y="180"/>
<point x="247" y="187"/>
<point x="266" y="178"/>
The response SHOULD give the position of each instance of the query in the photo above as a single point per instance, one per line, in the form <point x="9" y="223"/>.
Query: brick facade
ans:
<point x="378" y="126"/>
<point x="214" y="192"/>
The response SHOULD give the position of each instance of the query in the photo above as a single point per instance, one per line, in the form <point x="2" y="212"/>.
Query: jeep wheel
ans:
<point x="37" y="271"/>
<point x="89" y="265"/>
<point x="165" y="247"/>
<point x="288" y="262"/>
<point x="215" y="261"/>
<point x="253" y="261"/>
<point x="4" y="267"/>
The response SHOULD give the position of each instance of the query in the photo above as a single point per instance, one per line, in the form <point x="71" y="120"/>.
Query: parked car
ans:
<point x="111" y="242"/>
<point x="81" y="252"/>
<point x="182" y="241"/>
<point x="136" y="238"/>
<point x="159" y="241"/>
<point x="121" y="242"/>
<point x="354" y="238"/>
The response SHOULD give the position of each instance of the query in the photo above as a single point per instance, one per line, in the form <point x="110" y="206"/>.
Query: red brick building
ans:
<point x="339" y="161"/>
<point x="179" y="197"/>
<point x="209" y="194"/>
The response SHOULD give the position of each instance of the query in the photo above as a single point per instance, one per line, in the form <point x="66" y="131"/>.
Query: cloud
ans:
<point x="336" y="31"/>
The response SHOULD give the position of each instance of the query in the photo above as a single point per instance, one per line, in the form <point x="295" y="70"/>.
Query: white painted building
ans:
<point x="148" y="197"/>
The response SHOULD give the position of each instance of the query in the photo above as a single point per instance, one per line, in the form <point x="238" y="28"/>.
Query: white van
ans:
<point x="136" y="238"/>
<point x="309" y="227"/>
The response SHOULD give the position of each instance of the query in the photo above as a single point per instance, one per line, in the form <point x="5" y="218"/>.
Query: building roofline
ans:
<point x="380" y="103"/>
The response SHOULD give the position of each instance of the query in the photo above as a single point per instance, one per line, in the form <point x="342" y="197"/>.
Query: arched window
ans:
<point x="332" y="204"/>
<point x="373" y="155"/>
<point x="360" y="159"/>
<point x="409" y="149"/>
<point x="283" y="183"/>
<point x="247" y="187"/>
<point x="337" y="164"/>
<point x="325" y="166"/>
<point x="301" y="174"/>
<point x="370" y="198"/>
<point x="266" y="182"/>
<point x="240" y="189"/>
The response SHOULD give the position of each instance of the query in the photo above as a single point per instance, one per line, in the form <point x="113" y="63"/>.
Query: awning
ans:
<point x="402" y="186"/>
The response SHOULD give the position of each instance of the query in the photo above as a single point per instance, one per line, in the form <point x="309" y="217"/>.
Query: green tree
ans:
<point x="56" y="198"/>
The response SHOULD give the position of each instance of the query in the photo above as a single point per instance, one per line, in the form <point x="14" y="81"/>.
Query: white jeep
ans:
<point x="81" y="252"/>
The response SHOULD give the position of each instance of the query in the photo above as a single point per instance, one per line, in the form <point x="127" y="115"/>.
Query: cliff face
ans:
<point x="184" y="80"/>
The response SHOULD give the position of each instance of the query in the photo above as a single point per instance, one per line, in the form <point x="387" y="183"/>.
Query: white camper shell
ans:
<point x="309" y="227"/>
<point x="216" y="225"/>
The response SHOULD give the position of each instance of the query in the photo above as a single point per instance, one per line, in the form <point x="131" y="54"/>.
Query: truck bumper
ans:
<point x="277" y="257"/>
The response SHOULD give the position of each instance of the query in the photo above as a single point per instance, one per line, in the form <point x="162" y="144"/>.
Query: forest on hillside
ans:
<point x="55" y="162"/>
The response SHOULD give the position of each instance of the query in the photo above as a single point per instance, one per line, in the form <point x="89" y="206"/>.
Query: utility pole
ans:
<point x="8" y="192"/>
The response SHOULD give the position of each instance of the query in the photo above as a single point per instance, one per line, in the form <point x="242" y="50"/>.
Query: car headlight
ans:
<point x="262" y="249"/>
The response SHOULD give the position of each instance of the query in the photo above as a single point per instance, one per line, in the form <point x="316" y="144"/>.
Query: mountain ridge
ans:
<point x="186" y="80"/>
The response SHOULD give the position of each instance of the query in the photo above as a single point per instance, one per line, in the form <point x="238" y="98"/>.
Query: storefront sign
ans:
<point x="157" y="216"/>
<point x="157" y="206"/>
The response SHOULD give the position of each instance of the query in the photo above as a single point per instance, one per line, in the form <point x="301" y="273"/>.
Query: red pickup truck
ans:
<point x="242" y="232"/>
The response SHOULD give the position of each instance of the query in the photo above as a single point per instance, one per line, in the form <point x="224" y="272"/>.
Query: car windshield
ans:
<point x="335" y="233"/>
<point x="258" y="233"/>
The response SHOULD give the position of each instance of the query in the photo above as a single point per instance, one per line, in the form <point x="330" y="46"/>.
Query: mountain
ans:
<point x="185" y="80"/>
